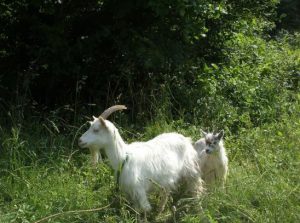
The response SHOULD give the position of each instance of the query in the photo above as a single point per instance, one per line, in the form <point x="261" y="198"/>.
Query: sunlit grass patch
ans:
<point x="262" y="186"/>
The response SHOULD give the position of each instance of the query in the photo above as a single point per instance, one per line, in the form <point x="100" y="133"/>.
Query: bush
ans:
<point x="257" y="83"/>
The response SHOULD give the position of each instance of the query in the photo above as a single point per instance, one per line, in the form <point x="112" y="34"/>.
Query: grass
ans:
<point x="42" y="174"/>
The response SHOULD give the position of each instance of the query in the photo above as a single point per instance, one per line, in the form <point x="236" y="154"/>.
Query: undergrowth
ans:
<point x="44" y="173"/>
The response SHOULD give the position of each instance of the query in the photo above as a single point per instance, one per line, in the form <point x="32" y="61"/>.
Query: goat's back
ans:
<point x="165" y="159"/>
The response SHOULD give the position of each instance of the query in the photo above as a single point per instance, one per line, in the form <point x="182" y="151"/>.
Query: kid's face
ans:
<point x="212" y="141"/>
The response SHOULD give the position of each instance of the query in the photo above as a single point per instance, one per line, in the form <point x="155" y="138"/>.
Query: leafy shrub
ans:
<point x="256" y="83"/>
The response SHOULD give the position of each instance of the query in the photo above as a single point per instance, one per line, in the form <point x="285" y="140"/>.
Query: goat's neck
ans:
<point x="116" y="150"/>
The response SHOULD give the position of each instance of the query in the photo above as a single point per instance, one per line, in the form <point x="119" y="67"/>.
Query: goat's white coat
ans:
<point x="213" y="161"/>
<point x="165" y="160"/>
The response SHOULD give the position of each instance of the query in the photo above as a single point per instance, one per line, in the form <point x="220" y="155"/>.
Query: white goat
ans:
<point x="164" y="160"/>
<point x="213" y="160"/>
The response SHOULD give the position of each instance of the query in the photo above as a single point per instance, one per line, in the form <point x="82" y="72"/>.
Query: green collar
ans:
<point x="121" y="165"/>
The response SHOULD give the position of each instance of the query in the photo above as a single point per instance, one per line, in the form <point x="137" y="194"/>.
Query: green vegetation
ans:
<point x="179" y="65"/>
<point x="263" y="185"/>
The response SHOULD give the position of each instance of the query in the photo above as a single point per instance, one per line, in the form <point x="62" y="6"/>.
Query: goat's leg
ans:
<point x="141" y="198"/>
<point x="99" y="157"/>
<point x="145" y="216"/>
<point x="225" y="173"/>
<point x="142" y="217"/>
<point x="220" y="177"/>
<point x="195" y="186"/>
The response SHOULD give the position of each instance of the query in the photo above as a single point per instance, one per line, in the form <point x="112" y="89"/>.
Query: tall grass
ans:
<point x="38" y="178"/>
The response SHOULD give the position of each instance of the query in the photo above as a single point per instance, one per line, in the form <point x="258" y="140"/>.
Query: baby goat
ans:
<point x="213" y="160"/>
<point x="164" y="160"/>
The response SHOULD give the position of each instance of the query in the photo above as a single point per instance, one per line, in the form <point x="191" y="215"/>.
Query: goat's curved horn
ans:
<point x="111" y="110"/>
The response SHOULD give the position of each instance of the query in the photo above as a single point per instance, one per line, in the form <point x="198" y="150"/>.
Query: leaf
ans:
<point x="182" y="12"/>
<point x="215" y="66"/>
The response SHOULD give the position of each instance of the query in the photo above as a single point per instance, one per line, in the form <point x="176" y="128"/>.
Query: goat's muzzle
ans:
<point x="208" y="151"/>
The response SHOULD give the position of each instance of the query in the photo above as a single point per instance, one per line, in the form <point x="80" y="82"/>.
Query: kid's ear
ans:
<point x="203" y="133"/>
<point x="102" y="121"/>
<point x="220" y="135"/>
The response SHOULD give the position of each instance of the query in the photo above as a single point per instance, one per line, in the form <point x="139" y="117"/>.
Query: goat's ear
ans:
<point x="220" y="135"/>
<point x="203" y="133"/>
<point x="102" y="121"/>
<point x="94" y="117"/>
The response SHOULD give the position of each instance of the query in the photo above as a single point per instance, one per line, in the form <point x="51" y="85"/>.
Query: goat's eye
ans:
<point x="95" y="130"/>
